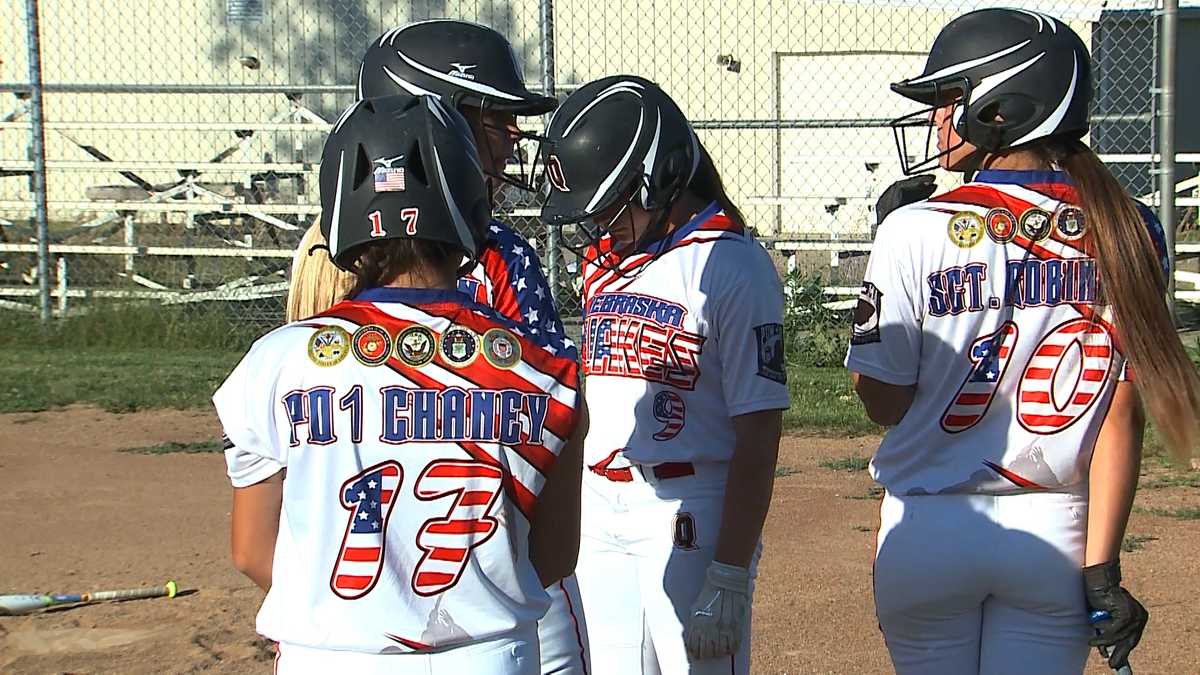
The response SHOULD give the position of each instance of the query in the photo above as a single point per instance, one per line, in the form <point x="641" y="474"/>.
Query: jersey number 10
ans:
<point x="446" y="542"/>
<point x="1079" y="349"/>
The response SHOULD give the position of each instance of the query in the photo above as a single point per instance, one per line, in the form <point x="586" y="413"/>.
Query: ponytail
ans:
<point x="707" y="185"/>
<point x="316" y="284"/>
<point x="1133" y="285"/>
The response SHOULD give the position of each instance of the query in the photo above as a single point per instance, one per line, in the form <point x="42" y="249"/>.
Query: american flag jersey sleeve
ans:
<point x="509" y="279"/>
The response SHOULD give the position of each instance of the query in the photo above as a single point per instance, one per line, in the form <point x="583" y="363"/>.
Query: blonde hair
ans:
<point x="316" y="284"/>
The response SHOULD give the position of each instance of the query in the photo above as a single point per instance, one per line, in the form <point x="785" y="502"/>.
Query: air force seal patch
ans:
<point x="460" y="345"/>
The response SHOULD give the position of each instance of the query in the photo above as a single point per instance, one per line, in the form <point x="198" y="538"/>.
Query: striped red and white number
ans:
<point x="1059" y="384"/>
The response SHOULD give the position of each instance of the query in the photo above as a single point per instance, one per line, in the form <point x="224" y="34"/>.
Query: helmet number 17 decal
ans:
<point x="1077" y="354"/>
<point x="409" y="216"/>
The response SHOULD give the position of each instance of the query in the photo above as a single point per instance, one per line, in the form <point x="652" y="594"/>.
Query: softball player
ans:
<point x="396" y="459"/>
<point x="999" y="328"/>
<point x="473" y="68"/>
<point x="683" y="351"/>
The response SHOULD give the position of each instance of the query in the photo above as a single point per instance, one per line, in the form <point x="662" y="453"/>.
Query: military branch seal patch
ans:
<point x="1035" y="225"/>
<point x="328" y="346"/>
<point x="416" y="346"/>
<point x="371" y="345"/>
<point x="501" y="348"/>
<point x="1069" y="222"/>
<point x="1001" y="225"/>
<point x="460" y="345"/>
<point x="965" y="229"/>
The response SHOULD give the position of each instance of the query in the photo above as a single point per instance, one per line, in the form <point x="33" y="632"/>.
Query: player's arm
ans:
<point x="1116" y="462"/>
<point x="255" y="526"/>
<point x="749" y="485"/>
<point x="885" y="339"/>
<point x="885" y="403"/>
<point x="554" y="533"/>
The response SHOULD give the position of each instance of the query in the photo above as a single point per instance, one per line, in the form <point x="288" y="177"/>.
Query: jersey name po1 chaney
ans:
<point x="423" y="415"/>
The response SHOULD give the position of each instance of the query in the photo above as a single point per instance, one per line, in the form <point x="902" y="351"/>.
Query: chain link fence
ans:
<point x="183" y="138"/>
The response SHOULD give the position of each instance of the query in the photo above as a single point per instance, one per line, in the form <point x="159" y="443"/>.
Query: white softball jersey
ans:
<point x="987" y="296"/>
<point x="416" y="429"/>
<point x="677" y="340"/>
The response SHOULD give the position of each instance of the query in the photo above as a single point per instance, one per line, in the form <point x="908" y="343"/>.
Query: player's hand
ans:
<point x="1121" y="632"/>
<point x="718" y="617"/>
<point x="902" y="193"/>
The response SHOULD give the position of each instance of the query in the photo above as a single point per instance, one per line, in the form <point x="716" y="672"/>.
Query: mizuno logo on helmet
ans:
<point x="387" y="162"/>
<point x="460" y="70"/>
<point x="554" y="174"/>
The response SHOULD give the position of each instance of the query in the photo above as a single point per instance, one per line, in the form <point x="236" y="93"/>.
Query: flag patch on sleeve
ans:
<point x="770" y="352"/>
<point x="866" y="316"/>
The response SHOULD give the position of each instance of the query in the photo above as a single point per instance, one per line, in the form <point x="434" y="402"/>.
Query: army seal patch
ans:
<point x="328" y="346"/>
<point x="965" y="229"/>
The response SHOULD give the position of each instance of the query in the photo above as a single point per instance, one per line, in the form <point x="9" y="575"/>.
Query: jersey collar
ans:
<point x="1007" y="176"/>
<point x="413" y="296"/>
<point x="687" y="228"/>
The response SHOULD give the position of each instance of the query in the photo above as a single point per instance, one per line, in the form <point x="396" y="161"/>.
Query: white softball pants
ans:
<point x="515" y="654"/>
<point x="644" y="551"/>
<point x="983" y="584"/>
<point x="563" y="631"/>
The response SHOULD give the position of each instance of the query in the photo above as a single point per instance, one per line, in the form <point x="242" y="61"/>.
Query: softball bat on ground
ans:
<point x="12" y="605"/>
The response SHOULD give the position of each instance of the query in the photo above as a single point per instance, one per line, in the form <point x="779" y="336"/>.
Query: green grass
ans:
<point x="132" y="326"/>
<point x="1181" y="513"/>
<point x="1135" y="542"/>
<point x="174" y="447"/>
<point x="824" y="404"/>
<point x="785" y="471"/>
<point x="1189" y="479"/>
<point x="121" y="358"/>
<point x="118" y="380"/>
<point x="851" y="463"/>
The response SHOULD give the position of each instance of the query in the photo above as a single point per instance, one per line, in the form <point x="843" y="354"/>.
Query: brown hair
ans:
<point x="379" y="263"/>
<point x="316" y="284"/>
<point x="1133" y="284"/>
<point x="708" y="185"/>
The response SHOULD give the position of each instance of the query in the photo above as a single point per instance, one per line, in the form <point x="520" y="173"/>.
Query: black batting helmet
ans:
<point x="401" y="167"/>
<point x="1028" y="68"/>
<point x="613" y="137"/>
<point x="464" y="63"/>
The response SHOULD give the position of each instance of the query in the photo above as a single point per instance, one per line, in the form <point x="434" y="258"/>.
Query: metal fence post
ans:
<point x="1166" y="143"/>
<point x="546" y="22"/>
<point x="38" y="131"/>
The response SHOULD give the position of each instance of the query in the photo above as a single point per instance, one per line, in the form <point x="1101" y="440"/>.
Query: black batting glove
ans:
<point x="1121" y="632"/>
<point x="902" y="193"/>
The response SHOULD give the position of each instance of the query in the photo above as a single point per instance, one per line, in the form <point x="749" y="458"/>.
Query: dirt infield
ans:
<point x="77" y="514"/>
